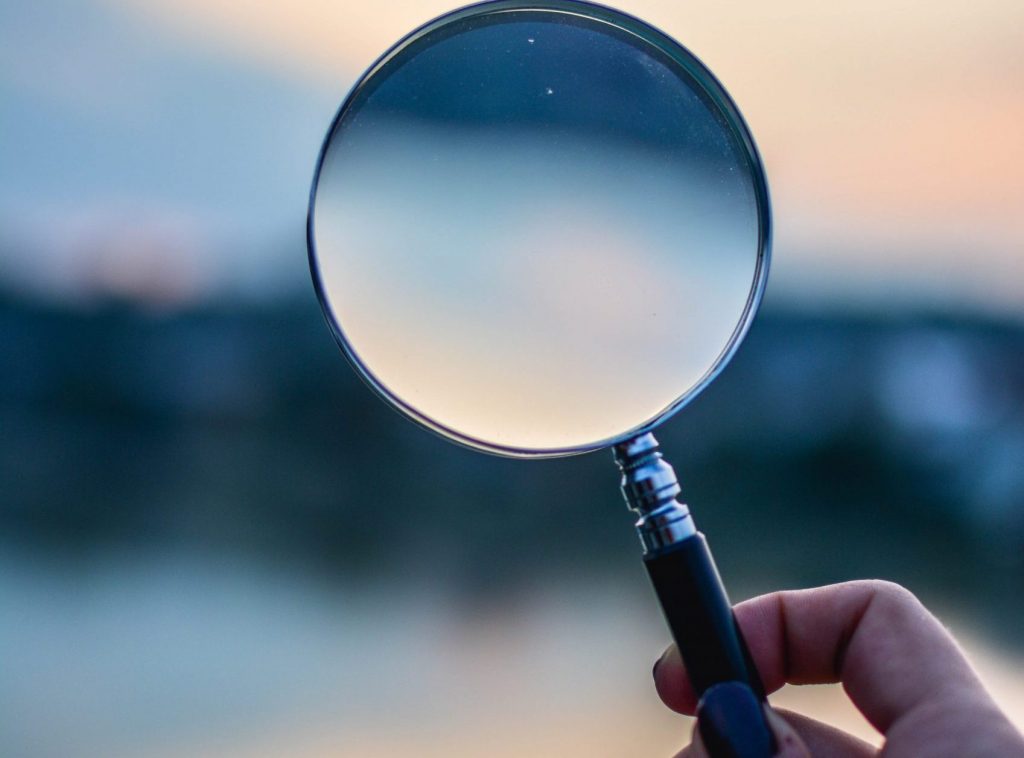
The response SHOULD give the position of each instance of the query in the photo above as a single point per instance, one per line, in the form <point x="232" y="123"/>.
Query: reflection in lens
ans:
<point x="535" y="229"/>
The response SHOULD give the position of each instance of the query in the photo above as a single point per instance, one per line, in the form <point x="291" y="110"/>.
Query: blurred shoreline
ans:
<point x="867" y="445"/>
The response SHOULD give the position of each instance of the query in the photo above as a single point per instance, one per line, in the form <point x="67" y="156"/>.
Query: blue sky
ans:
<point x="187" y="131"/>
<point x="108" y="121"/>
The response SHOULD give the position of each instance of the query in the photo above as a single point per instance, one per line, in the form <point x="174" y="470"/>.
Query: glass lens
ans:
<point x="536" y="229"/>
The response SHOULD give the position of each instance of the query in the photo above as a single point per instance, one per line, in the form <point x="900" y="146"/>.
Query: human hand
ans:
<point x="897" y="663"/>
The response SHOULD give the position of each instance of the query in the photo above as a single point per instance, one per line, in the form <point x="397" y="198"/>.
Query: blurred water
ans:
<point x="179" y="651"/>
<point x="193" y="653"/>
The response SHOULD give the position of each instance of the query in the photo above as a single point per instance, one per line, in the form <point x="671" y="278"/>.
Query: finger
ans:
<point x="820" y="740"/>
<point x="889" y="652"/>
<point x="696" y="747"/>
<point x="789" y="743"/>
<point x="792" y="743"/>
<point x="672" y="684"/>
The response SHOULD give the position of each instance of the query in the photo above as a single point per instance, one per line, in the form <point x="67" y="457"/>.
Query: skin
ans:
<point x="897" y="663"/>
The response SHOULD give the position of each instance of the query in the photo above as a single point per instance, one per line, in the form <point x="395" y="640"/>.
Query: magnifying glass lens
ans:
<point x="537" y="231"/>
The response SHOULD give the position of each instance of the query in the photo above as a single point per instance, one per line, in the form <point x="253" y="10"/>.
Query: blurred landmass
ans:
<point x="835" y="446"/>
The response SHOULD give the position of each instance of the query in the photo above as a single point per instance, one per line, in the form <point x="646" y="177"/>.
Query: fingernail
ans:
<point x="732" y="723"/>
<point x="654" y="671"/>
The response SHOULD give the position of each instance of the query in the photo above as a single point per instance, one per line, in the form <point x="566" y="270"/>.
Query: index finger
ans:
<point x="875" y="637"/>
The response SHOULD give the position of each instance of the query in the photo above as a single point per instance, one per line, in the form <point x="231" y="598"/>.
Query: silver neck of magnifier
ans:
<point x="650" y="487"/>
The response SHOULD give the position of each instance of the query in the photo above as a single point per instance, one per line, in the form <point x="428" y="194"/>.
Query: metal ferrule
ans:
<point x="650" y="487"/>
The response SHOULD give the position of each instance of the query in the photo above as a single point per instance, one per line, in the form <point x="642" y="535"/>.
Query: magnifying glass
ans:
<point x="540" y="229"/>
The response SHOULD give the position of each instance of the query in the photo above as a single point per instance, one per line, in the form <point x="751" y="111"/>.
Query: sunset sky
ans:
<point x="892" y="134"/>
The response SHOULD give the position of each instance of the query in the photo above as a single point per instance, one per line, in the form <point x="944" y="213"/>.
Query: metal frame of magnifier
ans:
<point x="676" y="555"/>
<point x="720" y="100"/>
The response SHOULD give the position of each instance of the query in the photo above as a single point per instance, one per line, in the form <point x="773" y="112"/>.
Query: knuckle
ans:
<point x="893" y="593"/>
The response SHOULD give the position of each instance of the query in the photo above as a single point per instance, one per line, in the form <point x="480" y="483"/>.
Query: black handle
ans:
<point x="700" y="616"/>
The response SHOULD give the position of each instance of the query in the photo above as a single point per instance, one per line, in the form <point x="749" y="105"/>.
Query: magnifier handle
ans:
<point x="700" y="616"/>
<point x="683" y="573"/>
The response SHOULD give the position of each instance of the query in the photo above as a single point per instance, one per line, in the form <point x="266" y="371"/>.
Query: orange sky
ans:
<point x="893" y="132"/>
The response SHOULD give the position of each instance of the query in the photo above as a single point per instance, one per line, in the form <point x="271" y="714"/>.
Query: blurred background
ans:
<point x="196" y="555"/>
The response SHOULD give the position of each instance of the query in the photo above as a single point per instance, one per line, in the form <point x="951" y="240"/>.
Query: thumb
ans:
<point x="788" y="743"/>
<point x="733" y="723"/>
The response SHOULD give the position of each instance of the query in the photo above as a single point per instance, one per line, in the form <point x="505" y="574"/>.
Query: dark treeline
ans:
<point x="833" y="447"/>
